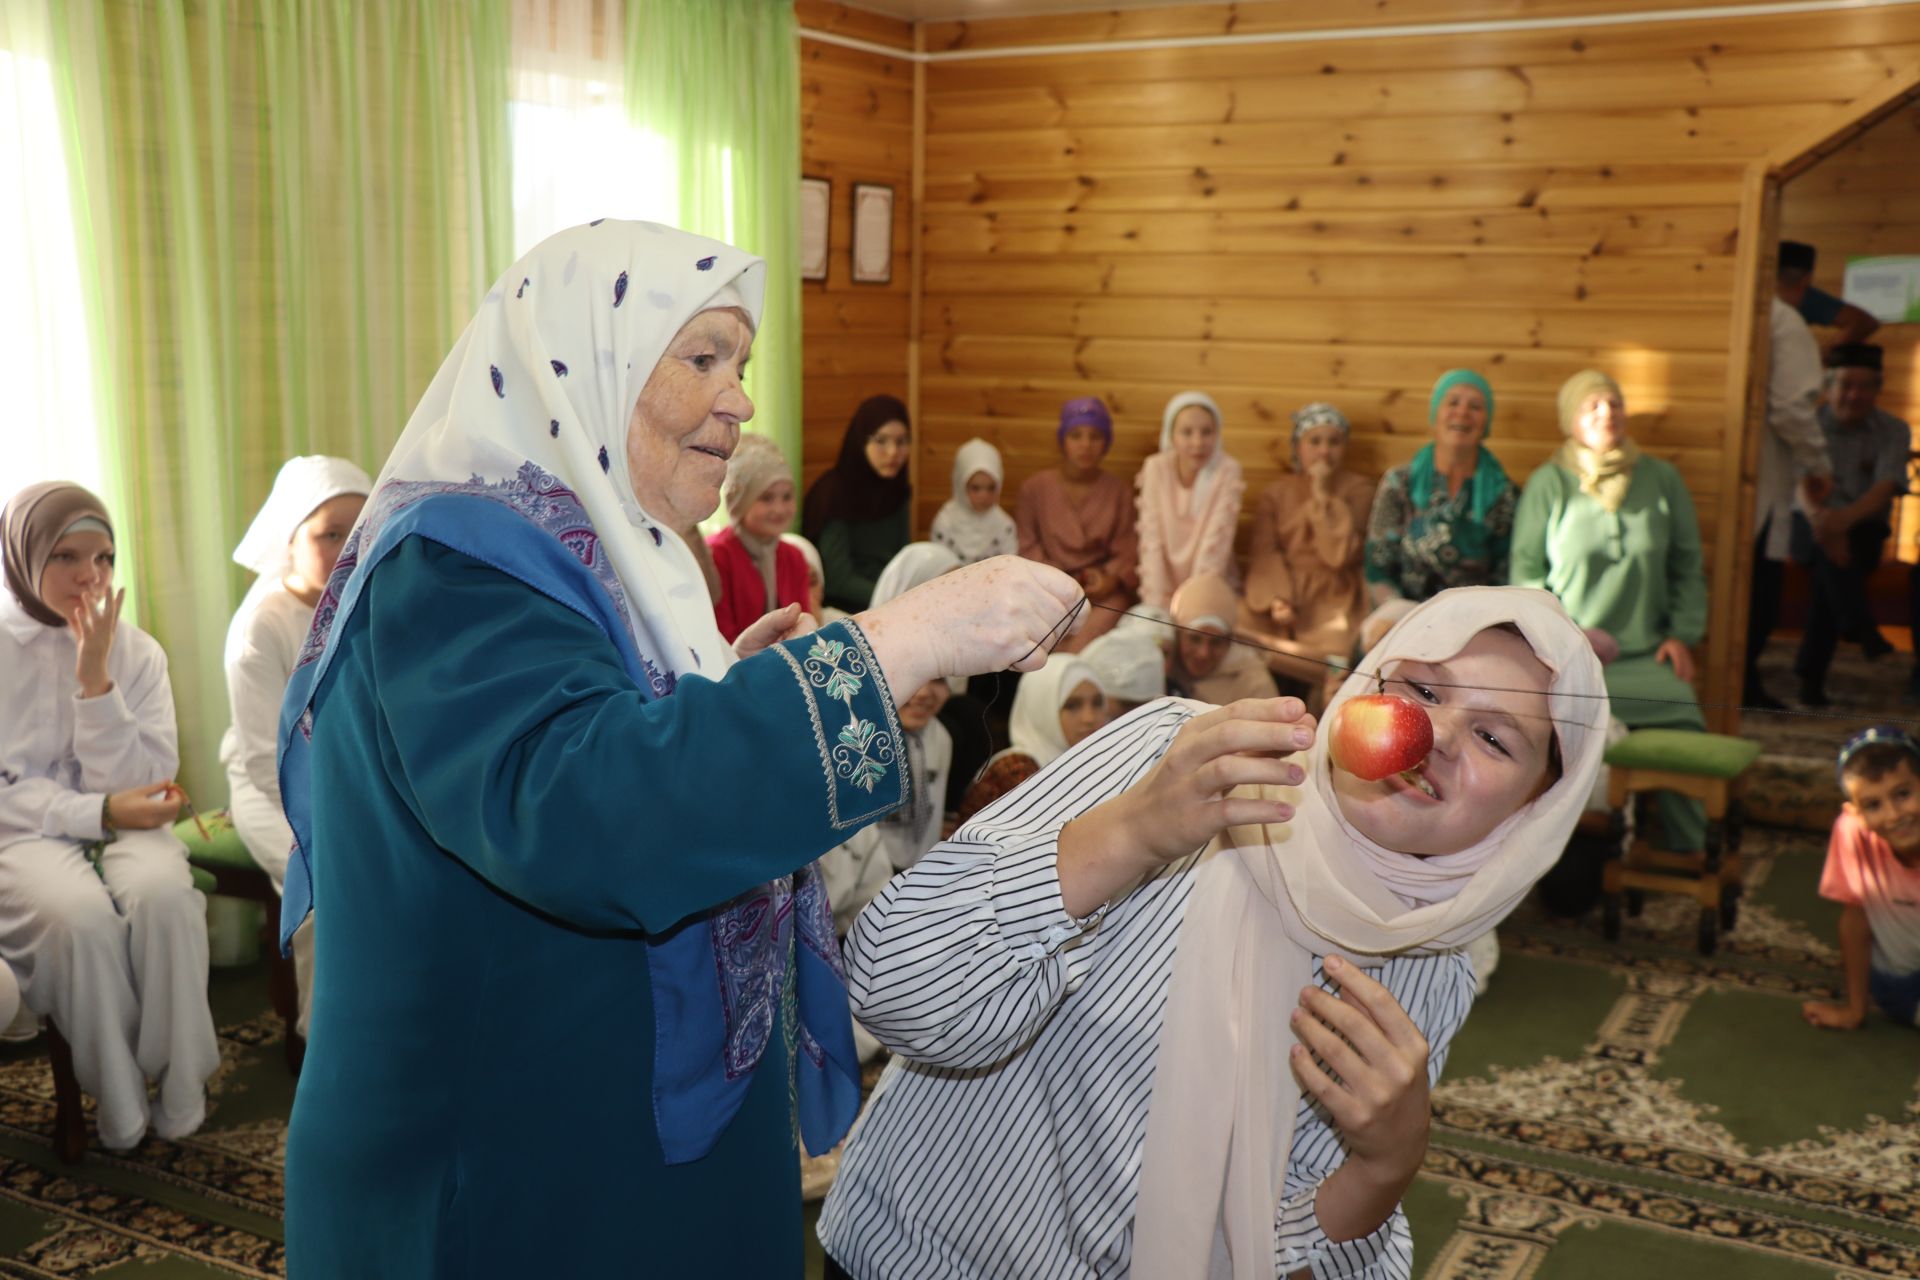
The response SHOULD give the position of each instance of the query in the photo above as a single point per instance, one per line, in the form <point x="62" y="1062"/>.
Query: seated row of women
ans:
<point x="1333" y="557"/>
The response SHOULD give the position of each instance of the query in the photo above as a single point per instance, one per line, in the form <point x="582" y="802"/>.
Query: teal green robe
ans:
<point x="1636" y="574"/>
<point x="476" y="1099"/>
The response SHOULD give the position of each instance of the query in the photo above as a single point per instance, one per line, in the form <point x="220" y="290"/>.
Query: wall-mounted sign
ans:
<point x="1888" y="289"/>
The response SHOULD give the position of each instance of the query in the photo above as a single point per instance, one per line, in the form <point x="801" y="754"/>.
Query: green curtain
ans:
<point x="720" y="80"/>
<point x="289" y="209"/>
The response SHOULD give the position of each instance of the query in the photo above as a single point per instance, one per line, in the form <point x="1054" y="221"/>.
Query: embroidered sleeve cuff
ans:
<point x="1026" y="899"/>
<point x="862" y="752"/>
<point x="1386" y="1254"/>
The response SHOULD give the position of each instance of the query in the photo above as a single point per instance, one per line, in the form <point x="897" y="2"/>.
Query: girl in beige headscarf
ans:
<point x="1089" y="987"/>
<point x="1205" y="664"/>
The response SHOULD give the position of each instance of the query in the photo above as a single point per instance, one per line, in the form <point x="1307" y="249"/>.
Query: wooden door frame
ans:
<point x="1747" y="372"/>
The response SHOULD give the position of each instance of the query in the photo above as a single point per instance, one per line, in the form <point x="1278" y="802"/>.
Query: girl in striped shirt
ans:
<point x="1172" y="1008"/>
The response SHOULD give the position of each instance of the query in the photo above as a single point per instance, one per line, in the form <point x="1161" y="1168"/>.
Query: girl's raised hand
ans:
<point x="1186" y="799"/>
<point x="93" y="624"/>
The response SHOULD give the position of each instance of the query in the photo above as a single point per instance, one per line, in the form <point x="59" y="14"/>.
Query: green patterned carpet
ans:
<point x="1640" y="1110"/>
<point x="1626" y="1110"/>
<point x="207" y="1206"/>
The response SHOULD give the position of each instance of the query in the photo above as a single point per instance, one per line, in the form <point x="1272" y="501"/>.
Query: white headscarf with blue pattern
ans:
<point x="549" y="372"/>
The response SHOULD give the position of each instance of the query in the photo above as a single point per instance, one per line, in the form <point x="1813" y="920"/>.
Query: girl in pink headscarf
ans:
<point x="1189" y="502"/>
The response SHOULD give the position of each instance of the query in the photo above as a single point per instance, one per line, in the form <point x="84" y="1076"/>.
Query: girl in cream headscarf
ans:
<point x="1087" y="990"/>
<point x="291" y="547"/>
<point x="1189" y="500"/>
<point x="972" y="524"/>
<point x="1054" y="708"/>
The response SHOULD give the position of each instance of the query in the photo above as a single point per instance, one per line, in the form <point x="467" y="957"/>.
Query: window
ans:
<point x="48" y="429"/>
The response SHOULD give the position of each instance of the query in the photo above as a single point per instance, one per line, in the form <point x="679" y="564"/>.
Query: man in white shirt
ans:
<point x="1793" y="457"/>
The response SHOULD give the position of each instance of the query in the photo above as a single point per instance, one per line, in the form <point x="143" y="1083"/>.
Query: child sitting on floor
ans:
<point x="1873" y="869"/>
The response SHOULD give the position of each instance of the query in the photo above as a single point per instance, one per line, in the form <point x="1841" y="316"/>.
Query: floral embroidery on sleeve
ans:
<point x="859" y="739"/>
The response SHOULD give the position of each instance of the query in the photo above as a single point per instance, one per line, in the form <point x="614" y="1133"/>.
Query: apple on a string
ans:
<point x="1377" y="735"/>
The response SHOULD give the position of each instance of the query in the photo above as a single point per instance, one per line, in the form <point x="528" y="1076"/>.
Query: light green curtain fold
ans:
<point x="289" y="210"/>
<point x="719" y="80"/>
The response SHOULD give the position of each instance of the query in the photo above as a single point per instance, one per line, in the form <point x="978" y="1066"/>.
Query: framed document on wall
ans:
<point x="816" y="216"/>
<point x="872" y="233"/>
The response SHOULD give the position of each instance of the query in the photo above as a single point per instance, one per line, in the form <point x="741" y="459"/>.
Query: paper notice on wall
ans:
<point x="1888" y="289"/>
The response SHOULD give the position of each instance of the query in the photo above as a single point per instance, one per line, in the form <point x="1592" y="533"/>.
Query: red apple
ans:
<point x="1378" y="735"/>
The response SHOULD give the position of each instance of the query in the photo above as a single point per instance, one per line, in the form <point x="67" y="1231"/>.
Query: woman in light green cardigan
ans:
<point x="1612" y="532"/>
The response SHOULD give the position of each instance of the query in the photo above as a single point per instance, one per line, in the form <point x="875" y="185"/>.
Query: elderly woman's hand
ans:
<point x="1003" y="612"/>
<point x="785" y="623"/>
<point x="1186" y="799"/>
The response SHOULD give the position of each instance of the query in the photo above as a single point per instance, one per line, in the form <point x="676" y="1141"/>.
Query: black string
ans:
<point x="1055" y="634"/>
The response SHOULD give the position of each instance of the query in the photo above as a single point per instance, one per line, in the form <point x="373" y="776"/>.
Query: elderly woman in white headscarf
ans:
<point x="1189" y="500"/>
<point x="291" y="547"/>
<point x="513" y="758"/>
<point x="972" y="524"/>
<point x="1086" y="990"/>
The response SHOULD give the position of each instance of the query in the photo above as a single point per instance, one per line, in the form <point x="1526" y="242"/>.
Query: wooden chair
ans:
<point x="1707" y="767"/>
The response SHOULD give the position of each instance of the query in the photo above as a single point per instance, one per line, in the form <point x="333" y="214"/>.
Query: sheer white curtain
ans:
<point x="48" y="421"/>
<point x="576" y="155"/>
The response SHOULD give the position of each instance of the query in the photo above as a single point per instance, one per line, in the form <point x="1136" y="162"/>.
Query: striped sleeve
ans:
<point x="965" y="955"/>
<point x="1437" y="993"/>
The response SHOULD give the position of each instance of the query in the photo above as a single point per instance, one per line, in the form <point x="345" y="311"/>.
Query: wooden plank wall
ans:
<point x="1343" y="220"/>
<point x="1864" y="201"/>
<point x="856" y="126"/>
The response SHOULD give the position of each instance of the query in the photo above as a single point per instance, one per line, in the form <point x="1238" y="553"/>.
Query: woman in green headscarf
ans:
<point x="1612" y="532"/>
<point x="1445" y="518"/>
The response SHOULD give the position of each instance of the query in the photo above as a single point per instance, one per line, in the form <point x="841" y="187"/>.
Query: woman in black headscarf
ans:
<point x="858" y="513"/>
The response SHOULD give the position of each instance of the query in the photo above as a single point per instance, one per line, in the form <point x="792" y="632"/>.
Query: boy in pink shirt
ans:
<point x="1873" y="869"/>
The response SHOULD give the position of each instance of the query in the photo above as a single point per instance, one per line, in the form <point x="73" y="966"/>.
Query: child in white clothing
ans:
<point x="972" y="524"/>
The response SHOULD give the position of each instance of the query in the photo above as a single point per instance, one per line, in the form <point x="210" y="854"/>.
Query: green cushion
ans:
<point x="203" y="880"/>
<point x="222" y="846"/>
<point x="1705" y="755"/>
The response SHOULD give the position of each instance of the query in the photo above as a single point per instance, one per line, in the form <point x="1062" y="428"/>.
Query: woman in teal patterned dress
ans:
<point x="573" y="1001"/>
<point x="1445" y="518"/>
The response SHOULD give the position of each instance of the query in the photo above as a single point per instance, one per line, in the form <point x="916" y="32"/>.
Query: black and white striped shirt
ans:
<point x="1003" y="1142"/>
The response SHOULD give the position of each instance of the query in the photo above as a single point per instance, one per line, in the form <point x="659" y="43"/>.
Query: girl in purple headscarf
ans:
<point x="1079" y="519"/>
